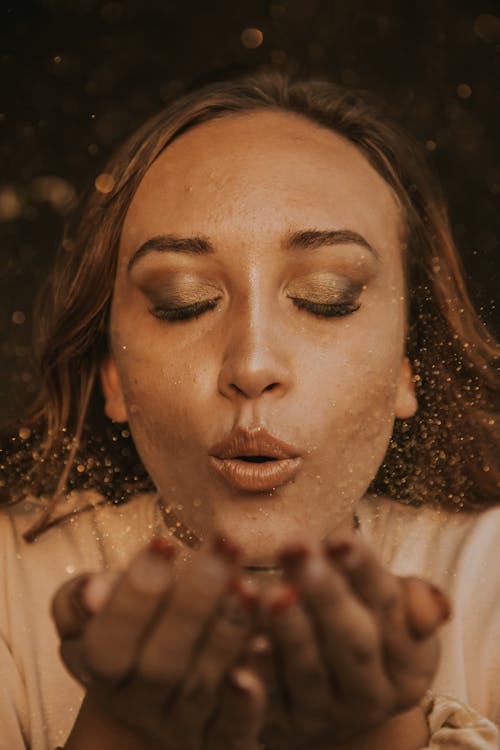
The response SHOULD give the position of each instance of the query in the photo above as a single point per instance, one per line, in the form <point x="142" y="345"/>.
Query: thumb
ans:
<point x="426" y="605"/>
<point x="78" y="599"/>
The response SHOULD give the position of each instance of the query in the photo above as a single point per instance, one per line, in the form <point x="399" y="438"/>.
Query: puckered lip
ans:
<point x="255" y="442"/>
<point x="253" y="460"/>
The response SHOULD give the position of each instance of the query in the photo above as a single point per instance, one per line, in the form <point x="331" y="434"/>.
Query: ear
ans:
<point x="406" y="401"/>
<point x="114" y="403"/>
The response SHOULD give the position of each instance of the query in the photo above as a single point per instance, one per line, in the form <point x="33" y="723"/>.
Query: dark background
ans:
<point x="78" y="75"/>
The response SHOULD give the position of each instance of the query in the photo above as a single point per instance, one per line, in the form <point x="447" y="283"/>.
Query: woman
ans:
<point x="273" y="304"/>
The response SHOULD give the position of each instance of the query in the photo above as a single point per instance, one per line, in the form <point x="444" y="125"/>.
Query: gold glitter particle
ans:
<point x="80" y="468"/>
<point x="18" y="317"/>
<point x="104" y="183"/>
<point x="24" y="433"/>
<point x="487" y="27"/>
<point x="430" y="145"/>
<point x="464" y="91"/>
<point x="252" y="38"/>
<point x="10" y="205"/>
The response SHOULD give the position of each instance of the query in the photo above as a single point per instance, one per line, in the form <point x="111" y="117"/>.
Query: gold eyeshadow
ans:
<point x="324" y="288"/>
<point x="179" y="291"/>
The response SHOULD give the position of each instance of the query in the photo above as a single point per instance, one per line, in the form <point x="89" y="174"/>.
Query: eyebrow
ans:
<point x="316" y="238"/>
<point x="165" y="243"/>
<point x="198" y="245"/>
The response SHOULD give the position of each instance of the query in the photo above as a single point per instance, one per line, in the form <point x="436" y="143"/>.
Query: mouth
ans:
<point x="243" y="473"/>
<point x="254" y="460"/>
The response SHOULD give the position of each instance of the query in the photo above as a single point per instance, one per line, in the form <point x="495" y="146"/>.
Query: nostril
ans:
<point x="271" y="387"/>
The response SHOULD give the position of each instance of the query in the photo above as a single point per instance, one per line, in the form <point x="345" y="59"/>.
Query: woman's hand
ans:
<point x="159" y="657"/>
<point x="353" y="650"/>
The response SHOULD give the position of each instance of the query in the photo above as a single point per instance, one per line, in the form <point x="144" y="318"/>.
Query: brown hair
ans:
<point x="446" y="455"/>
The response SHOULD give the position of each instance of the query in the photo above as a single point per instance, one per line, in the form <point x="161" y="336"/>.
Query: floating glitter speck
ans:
<point x="10" y="205"/>
<point x="104" y="182"/>
<point x="55" y="190"/>
<point x="24" y="433"/>
<point x="252" y="38"/>
<point x="18" y="317"/>
<point x="487" y="27"/>
<point x="464" y="91"/>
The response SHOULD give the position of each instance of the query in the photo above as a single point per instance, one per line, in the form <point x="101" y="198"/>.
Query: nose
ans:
<point x="255" y="361"/>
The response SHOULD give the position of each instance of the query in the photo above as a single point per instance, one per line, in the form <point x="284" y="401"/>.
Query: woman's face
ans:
<point x="257" y="328"/>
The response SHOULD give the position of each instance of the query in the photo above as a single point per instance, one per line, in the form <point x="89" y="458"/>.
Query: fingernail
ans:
<point x="162" y="546"/>
<point x="245" y="594"/>
<point x="294" y="554"/>
<point x="96" y="592"/>
<point x="226" y="549"/>
<point x="441" y="601"/>
<point x="241" y="680"/>
<point x="151" y="569"/>
<point x="344" y="553"/>
<point x="283" y="601"/>
<point x="78" y="599"/>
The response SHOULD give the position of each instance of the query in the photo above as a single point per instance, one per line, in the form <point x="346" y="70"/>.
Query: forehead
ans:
<point x="256" y="170"/>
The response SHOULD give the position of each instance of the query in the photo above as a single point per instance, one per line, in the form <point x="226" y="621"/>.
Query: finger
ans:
<point x="347" y="634"/>
<point x="182" y="626"/>
<point x="240" y="714"/>
<point x="78" y="599"/>
<point x="426" y="605"/>
<point x="261" y="658"/>
<point x="374" y="584"/>
<point x="409" y="660"/>
<point x="221" y="650"/>
<point x="303" y="673"/>
<point x="113" y="635"/>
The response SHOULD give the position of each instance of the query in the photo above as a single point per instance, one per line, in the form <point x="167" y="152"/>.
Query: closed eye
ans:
<point x="184" y="312"/>
<point x="326" y="309"/>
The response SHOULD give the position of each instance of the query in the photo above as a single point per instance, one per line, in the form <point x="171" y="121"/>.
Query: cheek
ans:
<point x="162" y="390"/>
<point x="357" y="390"/>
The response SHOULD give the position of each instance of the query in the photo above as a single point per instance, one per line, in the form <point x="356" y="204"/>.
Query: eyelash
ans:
<point x="326" y="310"/>
<point x="193" y="311"/>
<point x="187" y="312"/>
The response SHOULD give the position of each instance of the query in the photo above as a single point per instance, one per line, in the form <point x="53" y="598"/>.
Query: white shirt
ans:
<point x="39" y="700"/>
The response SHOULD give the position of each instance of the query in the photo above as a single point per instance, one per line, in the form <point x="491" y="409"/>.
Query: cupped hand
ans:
<point x="353" y="649"/>
<point x="160" y="654"/>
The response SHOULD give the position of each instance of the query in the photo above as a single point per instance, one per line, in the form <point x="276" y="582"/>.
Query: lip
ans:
<point x="228" y="459"/>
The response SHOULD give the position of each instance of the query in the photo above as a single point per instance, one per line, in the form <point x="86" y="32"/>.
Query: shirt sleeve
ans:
<point x="455" y="726"/>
